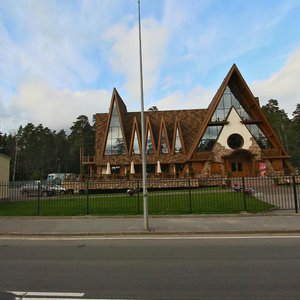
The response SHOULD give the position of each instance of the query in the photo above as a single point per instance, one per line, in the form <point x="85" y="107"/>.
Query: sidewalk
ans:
<point x="283" y="223"/>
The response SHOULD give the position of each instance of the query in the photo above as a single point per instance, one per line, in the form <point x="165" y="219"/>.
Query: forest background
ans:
<point x="36" y="151"/>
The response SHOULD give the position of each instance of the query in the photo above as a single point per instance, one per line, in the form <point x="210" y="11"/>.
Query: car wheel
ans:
<point x="44" y="193"/>
<point x="62" y="192"/>
<point x="25" y="194"/>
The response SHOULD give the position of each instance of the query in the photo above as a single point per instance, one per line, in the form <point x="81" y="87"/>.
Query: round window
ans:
<point x="235" y="141"/>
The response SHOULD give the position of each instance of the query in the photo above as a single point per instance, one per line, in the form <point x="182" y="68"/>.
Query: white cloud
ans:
<point x="282" y="85"/>
<point x="50" y="41"/>
<point x="196" y="98"/>
<point x="57" y="109"/>
<point x="124" y="54"/>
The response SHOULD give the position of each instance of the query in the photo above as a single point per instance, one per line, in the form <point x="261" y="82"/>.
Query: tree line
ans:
<point x="36" y="151"/>
<point x="287" y="129"/>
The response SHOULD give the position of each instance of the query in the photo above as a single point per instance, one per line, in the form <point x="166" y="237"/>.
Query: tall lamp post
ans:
<point x="144" y="171"/>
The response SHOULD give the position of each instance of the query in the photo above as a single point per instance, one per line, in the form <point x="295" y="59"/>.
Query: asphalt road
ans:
<point x="226" y="268"/>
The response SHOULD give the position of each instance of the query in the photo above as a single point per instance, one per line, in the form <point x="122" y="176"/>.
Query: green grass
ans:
<point x="174" y="202"/>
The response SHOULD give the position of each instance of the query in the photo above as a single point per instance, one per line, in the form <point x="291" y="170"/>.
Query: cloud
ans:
<point x="282" y="85"/>
<point x="37" y="102"/>
<point x="206" y="34"/>
<point x="196" y="98"/>
<point x="124" y="53"/>
<point x="55" y="40"/>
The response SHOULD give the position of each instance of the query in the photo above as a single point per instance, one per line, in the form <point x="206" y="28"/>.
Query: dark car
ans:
<point x="36" y="189"/>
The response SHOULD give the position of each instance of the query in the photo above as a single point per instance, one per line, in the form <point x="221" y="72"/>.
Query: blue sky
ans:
<point x="61" y="58"/>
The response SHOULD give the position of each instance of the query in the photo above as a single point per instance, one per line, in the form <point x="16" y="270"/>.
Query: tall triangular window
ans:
<point x="163" y="144"/>
<point x="226" y="102"/>
<point x="135" y="146"/>
<point x="115" y="142"/>
<point x="149" y="146"/>
<point x="178" y="146"/>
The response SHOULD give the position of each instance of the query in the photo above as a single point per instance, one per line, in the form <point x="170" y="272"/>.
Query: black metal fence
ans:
<point x="165" y="196"/>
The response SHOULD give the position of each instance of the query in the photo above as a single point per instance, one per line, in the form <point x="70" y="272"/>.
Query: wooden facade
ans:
<point x="231" y="137"/>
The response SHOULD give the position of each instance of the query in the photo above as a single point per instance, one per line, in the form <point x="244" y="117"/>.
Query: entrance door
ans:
<point x="240" y="164"/>
<point x="239" y="168"/>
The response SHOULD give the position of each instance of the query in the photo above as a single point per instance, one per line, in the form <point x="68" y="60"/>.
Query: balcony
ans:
<point x="272" y="153"/>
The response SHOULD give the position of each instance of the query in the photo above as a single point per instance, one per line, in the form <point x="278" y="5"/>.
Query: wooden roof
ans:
<point x="191" y="123"/>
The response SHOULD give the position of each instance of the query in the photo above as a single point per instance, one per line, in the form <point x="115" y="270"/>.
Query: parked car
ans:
<point x="57" y="189"/>
<point x="35" y="188"/>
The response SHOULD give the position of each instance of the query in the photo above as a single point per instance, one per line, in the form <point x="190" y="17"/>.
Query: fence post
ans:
<point x="244" y="194"/>
<point x="39" y="198"/>
<point x="190" y="196"/>
<point x="87" y="198"/>
<point x="295" y="194"/>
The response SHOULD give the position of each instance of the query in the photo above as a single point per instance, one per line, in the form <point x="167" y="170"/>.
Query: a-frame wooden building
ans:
<point x="231" y="137"/>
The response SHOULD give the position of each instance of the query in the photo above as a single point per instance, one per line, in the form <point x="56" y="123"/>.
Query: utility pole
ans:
<point x="144" y="168"/>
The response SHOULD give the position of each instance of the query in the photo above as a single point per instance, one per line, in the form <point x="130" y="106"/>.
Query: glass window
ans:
<point x="115" y="169"/>
<point x="240" y="167"/>
<point x="163" y="144"/>
<point x="235" y="141"/>
<point x="235" y="102"/>
<point x="227" y="101"/>
<point x="136" y="146"/>
<point x="115" y="142"/>
<point x="149" y="146"/>
<point x="233" y="167"/>
<point x="209" y="138"/>
<point x="259" y="137"/>
<point x="178" y="146"/>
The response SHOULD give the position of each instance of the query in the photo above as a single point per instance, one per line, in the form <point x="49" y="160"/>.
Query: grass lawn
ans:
<point x="172" y="202"/>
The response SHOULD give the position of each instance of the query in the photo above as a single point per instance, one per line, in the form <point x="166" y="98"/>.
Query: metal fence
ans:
<point x="165" y="196"/>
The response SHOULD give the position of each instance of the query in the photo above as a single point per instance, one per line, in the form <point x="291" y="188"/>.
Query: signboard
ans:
<point x="262" y="168"/>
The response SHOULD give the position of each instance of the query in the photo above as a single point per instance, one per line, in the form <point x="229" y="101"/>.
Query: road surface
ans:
<point x="175" y="268"/>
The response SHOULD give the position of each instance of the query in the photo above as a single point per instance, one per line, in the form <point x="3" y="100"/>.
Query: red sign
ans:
<point x="262" y="168"/>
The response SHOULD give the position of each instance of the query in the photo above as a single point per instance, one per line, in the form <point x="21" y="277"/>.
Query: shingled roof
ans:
<point x="191" y="123"/>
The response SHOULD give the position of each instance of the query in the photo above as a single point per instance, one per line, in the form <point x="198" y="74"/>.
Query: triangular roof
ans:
<point x="238" y="86"/>
<point x="121" y="111"/>
<point x="191" y="123"/>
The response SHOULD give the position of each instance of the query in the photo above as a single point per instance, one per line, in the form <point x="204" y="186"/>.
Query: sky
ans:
<point x="62" y="58"/>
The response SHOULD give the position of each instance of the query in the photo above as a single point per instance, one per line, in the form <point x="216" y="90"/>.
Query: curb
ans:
<point x="147" y="234"/>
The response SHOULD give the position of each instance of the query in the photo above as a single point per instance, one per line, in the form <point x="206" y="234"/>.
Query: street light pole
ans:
<point x="144" y="171"/>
